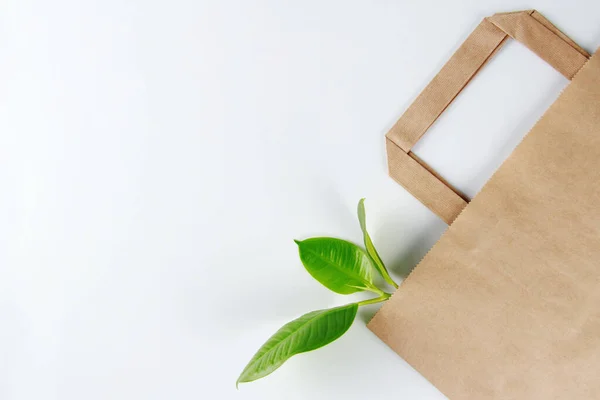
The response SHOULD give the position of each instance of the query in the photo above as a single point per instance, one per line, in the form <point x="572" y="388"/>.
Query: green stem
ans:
<point x="376" y="290"/>
<point x="383" y="297"/>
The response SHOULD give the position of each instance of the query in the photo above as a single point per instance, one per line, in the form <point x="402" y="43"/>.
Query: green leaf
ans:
<point x="362" y="218"/>
<point x="309" y="332"/>
<point x="341" y="266"/>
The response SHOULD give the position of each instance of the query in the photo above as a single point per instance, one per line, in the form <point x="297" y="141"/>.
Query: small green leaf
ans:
<point x="362" y="219"/>
<point x="309" y="332"/>
<point x="341" y="266"/>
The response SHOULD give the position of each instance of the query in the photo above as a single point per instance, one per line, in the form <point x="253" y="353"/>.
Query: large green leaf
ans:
<point x="309" y="332"/>
<point x="341" y="266"/>
<point x="362" y="218"/>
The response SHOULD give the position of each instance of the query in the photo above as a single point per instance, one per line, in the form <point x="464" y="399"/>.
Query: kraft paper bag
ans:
<point x="507" y="304"/>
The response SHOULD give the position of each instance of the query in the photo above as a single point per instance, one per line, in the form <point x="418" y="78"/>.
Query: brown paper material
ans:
<point x="528" y="27"/>
<point x="507" y="304"/>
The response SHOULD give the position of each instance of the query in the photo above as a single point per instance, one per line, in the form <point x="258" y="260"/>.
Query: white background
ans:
<point x="158" y="157"/>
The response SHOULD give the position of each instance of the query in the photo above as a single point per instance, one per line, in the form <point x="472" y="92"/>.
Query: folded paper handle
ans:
<point x="528" y="27"/>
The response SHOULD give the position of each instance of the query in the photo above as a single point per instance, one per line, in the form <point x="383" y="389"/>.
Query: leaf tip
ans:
<point x="239" y="380"/>
<point x="297" y="242"/>
<point x="361" y="214"/>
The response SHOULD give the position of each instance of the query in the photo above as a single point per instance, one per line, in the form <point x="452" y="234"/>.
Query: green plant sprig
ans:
<point x="343" y="268"/>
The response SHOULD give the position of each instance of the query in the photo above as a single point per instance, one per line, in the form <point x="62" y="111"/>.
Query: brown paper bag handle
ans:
<point x="527" y="27"/>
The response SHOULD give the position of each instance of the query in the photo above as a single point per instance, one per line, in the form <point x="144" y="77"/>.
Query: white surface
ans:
<point x="158" y="158"/>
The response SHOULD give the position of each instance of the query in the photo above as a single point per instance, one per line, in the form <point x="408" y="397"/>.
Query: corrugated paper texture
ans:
<point x="507" y="304"/>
